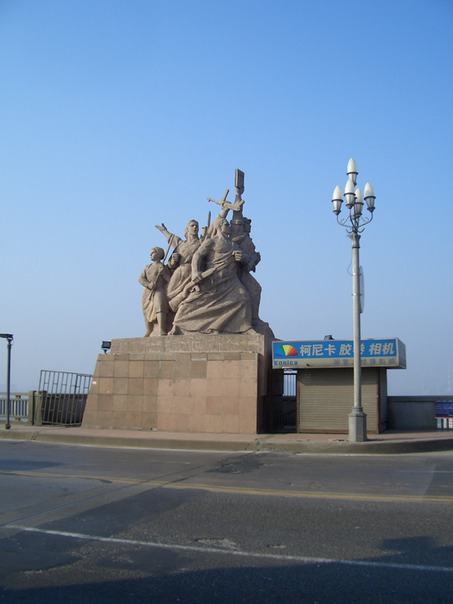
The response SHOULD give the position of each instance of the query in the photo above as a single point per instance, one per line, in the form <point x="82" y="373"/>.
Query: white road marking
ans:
<point x="238" y="553"/>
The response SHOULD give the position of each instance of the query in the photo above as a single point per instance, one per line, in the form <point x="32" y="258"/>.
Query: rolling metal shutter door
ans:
<point x="326" y="397"/>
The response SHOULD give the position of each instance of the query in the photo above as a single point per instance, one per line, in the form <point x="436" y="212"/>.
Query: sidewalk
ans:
<point x="390" y="442"/>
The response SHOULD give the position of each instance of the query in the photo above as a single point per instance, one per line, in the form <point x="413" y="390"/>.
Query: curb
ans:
<point x="260" y="444"/>
<point x="366" y="448"/>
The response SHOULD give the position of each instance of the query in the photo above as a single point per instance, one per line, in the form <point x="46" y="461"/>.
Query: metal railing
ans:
<point x="289" y="383"/>
<point x="283" y="410"/>
<point x="18" y="409"/>
<point x="62" y="398"/>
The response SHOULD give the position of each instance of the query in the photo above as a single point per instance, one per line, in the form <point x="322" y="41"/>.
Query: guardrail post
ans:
<point x="38" y="398"/>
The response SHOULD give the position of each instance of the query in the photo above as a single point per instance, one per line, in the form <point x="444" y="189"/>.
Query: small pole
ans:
<point x="357" y="418"/>
<point x="8" y="386"/>
<point x="9" y="337"/>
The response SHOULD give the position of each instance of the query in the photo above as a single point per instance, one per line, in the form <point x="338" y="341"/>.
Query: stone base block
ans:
<point x="189" y="383"/>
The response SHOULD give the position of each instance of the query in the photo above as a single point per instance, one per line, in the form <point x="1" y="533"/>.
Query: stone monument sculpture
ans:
<point x="207" y="366"/>
<point x="210" y="288"/>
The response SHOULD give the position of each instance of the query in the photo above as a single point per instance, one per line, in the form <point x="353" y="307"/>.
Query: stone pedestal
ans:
<point x="190" y="383"/>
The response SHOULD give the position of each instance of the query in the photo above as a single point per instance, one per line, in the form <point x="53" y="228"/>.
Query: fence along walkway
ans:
<point x="18" y="406"/>
<point x="62" y="397"/>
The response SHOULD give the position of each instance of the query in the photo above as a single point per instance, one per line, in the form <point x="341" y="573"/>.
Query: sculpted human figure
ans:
<point x="249" y="265"/>
<point x="217" y="301"/>
<point x="240" y="235"/>
<point x="226" y="206"/>
<point x="180" y="260"/>
<point x="155" y="278"/>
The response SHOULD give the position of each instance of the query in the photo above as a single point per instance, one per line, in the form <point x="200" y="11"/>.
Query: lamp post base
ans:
<point x="357" y="427"/>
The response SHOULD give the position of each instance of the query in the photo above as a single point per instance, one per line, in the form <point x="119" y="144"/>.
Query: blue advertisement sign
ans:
<point x="444" y="409"/>
<point x="389" y="353"/>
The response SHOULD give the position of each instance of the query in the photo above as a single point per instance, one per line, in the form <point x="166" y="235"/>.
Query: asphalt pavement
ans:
<point x="390" y="442"/>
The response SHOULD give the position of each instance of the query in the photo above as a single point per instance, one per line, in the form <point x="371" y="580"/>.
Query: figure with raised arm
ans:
<point x="217" y="301"/>
<point x="180" y="260"/>
<point x="240" y="236"/>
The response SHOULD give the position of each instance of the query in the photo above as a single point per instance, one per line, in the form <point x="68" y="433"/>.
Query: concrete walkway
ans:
<point x="390" y="442"/>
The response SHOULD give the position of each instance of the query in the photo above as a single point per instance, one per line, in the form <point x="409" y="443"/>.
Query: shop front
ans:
<point x="325" y="380"/>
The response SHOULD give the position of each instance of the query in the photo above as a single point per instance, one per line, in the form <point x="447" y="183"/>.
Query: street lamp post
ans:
<point x="355" y="223"/>
<point x="9" y="337"/>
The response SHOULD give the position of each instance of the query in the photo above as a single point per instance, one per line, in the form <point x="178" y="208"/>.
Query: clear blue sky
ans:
<point x="116" y="115"/>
